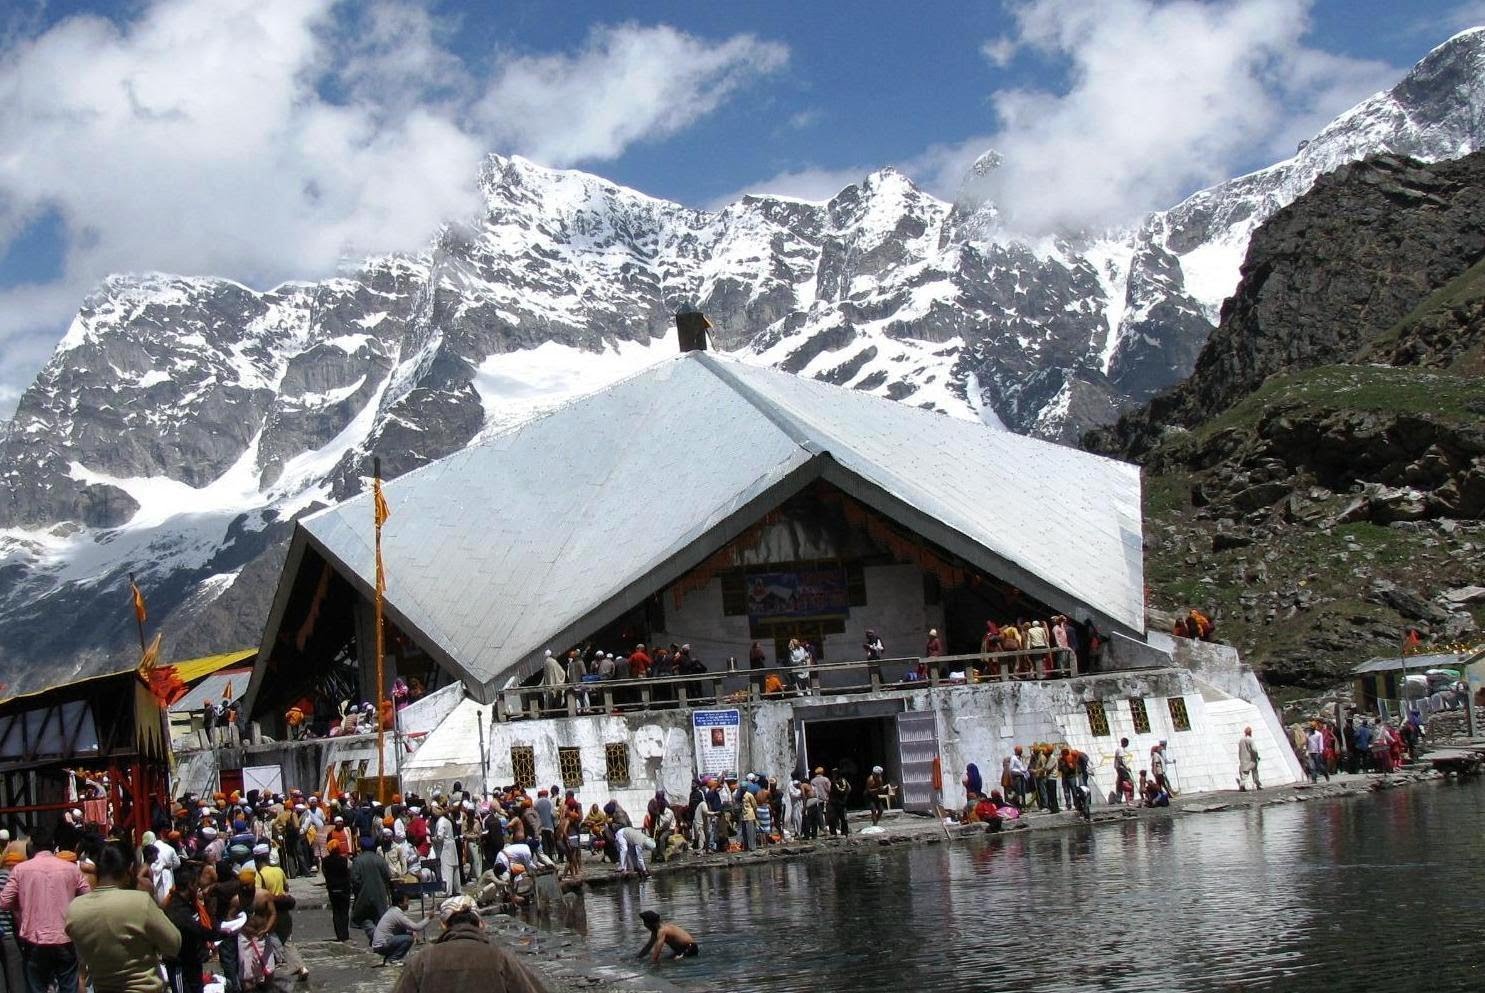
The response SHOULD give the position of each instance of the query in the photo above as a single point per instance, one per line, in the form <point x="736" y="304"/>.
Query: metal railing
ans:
<point x="618" y="696"/>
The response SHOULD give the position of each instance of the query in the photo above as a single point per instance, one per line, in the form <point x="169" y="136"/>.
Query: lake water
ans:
<point x="1366" y="893"/>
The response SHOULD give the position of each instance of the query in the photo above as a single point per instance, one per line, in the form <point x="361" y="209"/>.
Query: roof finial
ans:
<point x="691" y="325"/>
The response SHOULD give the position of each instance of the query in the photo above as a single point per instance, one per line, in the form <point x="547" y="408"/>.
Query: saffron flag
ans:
<point x="382" y="513"/>
<point x="149" y="657"/>
<point x="163" y="682"/>
<point x="139" y="609"/>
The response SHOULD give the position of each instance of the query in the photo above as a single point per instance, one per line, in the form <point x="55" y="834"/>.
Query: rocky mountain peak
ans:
<point x="184" y="420"/>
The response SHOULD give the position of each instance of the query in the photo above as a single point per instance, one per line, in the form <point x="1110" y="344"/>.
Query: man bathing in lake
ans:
<point x="663" y="933"/>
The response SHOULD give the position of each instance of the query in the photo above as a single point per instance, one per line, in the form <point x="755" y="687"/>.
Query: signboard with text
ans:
<point x="716" y="733"/>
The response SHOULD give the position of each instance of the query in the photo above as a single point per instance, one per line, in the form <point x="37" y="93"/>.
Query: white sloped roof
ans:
<point x="545" y="532"/>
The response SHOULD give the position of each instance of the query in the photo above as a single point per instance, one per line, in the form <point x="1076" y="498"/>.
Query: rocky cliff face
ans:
<point x="1319" y="481"/>
<point x="184" y="421"/>
<point x="1324" y="278"/>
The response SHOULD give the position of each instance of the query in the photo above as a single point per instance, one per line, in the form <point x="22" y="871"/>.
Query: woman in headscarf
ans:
<point x="973" y="784"/>
<point x="596" y="825"/>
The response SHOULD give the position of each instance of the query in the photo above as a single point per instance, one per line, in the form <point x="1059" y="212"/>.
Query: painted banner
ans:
<point x="813" y="593"/>
<point x="716" y="733"/>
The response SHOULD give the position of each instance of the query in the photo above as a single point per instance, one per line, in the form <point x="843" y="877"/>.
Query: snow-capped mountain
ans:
<point x="183" y="421"/>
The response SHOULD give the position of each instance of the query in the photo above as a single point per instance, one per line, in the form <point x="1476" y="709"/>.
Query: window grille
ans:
<point x="1179" y="719"/>
<point x="1139" y="714"/>
<point x="570" y="765"/>
<point x="616" y="763"/>
<point x="523" y="766"/>
<point x="1098" y="719"/>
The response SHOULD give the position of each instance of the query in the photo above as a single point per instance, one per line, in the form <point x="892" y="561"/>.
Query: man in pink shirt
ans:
<point x="38" y="892"/>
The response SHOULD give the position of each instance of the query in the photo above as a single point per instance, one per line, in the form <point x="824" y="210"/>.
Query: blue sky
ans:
<point x="183" y="135"/>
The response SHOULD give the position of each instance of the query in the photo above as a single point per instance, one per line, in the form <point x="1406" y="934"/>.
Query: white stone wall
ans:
<point x="978" y="723"/>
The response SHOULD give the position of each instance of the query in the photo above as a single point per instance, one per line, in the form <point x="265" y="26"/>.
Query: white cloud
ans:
<point x="999" y="51"/>
<point x="1469" y="14"/>
<point x="806" y="118"/>
<point x="1163" y="97"/>
<point x="625" y="84"/>
<point x="269" y="139"/>
<point x="812" y="184"/>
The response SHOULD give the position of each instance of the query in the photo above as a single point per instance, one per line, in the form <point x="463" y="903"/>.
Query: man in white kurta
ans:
<point x="446" y="850"/>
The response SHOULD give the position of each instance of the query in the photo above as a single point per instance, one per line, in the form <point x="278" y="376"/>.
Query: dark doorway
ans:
<point x="853" y="745"/>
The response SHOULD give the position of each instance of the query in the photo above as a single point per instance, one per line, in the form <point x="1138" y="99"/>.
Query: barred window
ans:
<point x="1098" y="719"/>
<point x="1179" y="719"/>
<point x="616" y="763"/>
<point x="523" y="766"/>
<point x="570" y="765"/>
<point x="1140" y="715"/>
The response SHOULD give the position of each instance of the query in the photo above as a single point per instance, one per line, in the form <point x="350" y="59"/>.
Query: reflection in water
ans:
<point x="1328" y="895"/>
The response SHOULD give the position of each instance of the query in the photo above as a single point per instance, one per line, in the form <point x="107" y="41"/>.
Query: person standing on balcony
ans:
<point x="799" y="663"/>
<point x="934" y="648"/>
<point x="639" y="662"/>
<point x="989" y="645"/>
<point x="554" y="677"/>
<point x="1036" y="641"/>
<point x="1011" y="641"/>
<point x="873" y="646"/>
<point x="1062" y="637"/>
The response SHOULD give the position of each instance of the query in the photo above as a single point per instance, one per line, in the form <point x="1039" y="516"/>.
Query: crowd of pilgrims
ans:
<point x="1360" y="745"/>
<point x="208" y="894"/>
<point x="1054" y="778"/>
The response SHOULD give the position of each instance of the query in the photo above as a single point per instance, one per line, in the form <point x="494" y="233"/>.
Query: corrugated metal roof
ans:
<point x="1444" y="660"/>
<point x="213" y="687"/>
<point x="507" y="546"/>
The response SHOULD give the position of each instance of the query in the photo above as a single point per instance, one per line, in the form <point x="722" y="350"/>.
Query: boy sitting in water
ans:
<point x="663" y="933"/>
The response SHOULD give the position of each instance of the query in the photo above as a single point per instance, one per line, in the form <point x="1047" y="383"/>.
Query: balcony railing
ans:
<point x="618" y="696"/>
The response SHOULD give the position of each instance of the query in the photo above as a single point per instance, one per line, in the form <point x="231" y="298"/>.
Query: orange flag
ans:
<point x="149" y="658"/>
<point x="139" y="609"/>
<point x="382" y="513"/>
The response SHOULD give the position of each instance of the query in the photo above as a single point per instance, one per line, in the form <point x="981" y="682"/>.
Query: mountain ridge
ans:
<point x="184" y="421"/>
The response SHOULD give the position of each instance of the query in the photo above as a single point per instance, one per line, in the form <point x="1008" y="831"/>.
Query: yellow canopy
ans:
<point x="191" y="670"/>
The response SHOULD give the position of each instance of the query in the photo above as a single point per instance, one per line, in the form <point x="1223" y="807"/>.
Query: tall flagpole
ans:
<point x="379" y="511"/>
